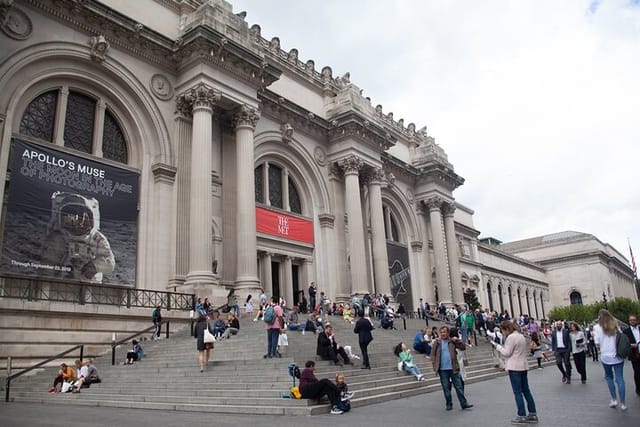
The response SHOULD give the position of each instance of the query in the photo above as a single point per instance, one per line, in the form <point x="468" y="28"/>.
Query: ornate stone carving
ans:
<point x="287" y="133"/>
<point x="309" y="67"/>
<point x="246" y="117"/>
<point x="99" y="47"/>
<point x="434" y="203"/>
<point x="293" y="55"/>
<point x="320" y="156"/>
<point x="410" y="196"/>
<point x="163" y="173"/>
<point x="448" y="209"/>
<point x="255" y="31"/>
<point x="200" y="96"/>
<point x="351" y="165"/>
<point x="416" y="245"/>
<point x="15" y="23"/>
<point x="161" y="87"/>
<point x="391" y="178"/>
<point x="376" y="176"/>
<point x="275" y="43"/>
<point x="327" y="74"/>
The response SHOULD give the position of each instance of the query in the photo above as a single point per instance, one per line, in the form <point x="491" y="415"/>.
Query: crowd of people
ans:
<point x="514" y="342"/>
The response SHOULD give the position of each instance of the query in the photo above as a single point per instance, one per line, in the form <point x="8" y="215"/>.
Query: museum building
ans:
<point x="181" y="150"/>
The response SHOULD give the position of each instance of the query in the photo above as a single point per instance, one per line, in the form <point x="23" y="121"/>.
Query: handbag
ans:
<point x="208" y="336"/>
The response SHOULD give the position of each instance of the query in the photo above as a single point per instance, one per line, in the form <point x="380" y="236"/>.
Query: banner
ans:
<point x="282" y="225"/>
<point x="69" y="217"/>
<point x="400" y="275"/>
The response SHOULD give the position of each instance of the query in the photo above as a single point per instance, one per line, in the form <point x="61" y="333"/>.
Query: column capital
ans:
<point x="246" y="117"/>
<point x="326" y="220"/>
<point x="433" y="203"/>
<point x="448" y="209"/>
<point x="163" y="173"/>
<point x="199" y="96"/>
<point x="351" y="165"/>
<point x="375" y="176"/>
<point x="416" y="246"/>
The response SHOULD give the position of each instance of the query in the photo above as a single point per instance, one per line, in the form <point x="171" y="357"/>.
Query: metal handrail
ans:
<point x="24" y="371"/>
<point x="115" y="344"/>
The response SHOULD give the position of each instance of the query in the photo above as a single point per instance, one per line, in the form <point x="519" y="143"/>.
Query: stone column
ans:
<point x="417" y="274"/>
<point x="452" y="253"/>
<point x="380" y="257"/>
<point x="202" y="99"/>
<point x="287" y="287"/>
<point x="61" y="112"/>
<point x="426" y="280"/>
<point x="245" y="121"/>
<point x="267" y="282"/>
<point x="98" y="127"/>
<point x="358" y="269"/>
<point x="442" y="271"/>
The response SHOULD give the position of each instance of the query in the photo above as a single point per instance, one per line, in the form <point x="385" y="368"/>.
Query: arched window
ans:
<point x="80" y="116"/>
<point x="535" y="304"/>
<point x="275" y="182"/>
<point x="500" y="297"/>
<point x="576" y="298"/>
<point x="513" y="313"/>
<point x="542" y="304"/>
<point x="519" y="300"/>
<point x="526" y="294"/>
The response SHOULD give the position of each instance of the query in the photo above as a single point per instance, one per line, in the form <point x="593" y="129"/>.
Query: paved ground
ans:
<point x="558" y="405"/>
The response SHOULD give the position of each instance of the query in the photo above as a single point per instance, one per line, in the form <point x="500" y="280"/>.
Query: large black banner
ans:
<point x="69" y="217"/>
<point x="400" y="275"/>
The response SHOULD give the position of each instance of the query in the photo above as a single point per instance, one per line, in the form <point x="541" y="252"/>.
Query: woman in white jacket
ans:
<point x="515" y="350"/>
<point x="604" y="334"/>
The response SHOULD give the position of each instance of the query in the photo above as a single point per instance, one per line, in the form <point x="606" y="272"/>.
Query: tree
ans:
<point x="471" y="299"/>
<point x="620" y="308"/>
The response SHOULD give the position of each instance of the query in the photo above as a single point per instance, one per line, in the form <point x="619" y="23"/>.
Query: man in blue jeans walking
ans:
<point x="445" y="363"/>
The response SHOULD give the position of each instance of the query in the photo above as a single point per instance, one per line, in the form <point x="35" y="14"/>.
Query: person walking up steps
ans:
<point x="363" y="328"/>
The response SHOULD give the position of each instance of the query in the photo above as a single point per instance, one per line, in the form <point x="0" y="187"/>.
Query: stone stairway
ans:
<point x="239" y="380"/>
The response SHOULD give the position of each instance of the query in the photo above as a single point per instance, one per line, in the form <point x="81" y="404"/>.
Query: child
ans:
<point x="248" y="306"/>
<point x="345" y="396"/>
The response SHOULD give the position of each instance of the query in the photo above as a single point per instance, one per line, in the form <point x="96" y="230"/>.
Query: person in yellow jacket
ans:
<point x="66" y="373"/>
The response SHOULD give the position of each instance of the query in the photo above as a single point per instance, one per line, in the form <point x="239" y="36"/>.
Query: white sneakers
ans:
<point x="623" y="407"/>
<point x="336" y="411"/>
<point x="613" y="403"/>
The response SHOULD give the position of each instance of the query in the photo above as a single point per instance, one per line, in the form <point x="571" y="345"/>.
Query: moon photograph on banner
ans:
<point x="70" y="218"/>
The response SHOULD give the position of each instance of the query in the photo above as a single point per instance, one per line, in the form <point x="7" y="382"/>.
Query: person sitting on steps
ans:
<point x="328" y="348"/>
<point x="312" y="388"/>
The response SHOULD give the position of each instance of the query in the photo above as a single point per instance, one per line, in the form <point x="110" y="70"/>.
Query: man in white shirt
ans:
<point x="633" y="333"/>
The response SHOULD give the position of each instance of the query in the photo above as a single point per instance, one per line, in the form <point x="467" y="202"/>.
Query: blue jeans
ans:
<point x="272" y="341"/>
<point x="447" y="377"/>
<point x="520" y="387"/>
<point x="413" y="369"/>
<point x="464" y="332"/>
<point x="608" y="375"/>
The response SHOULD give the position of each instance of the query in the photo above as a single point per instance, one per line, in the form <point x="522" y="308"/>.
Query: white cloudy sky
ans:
<point x="536" y="103"/>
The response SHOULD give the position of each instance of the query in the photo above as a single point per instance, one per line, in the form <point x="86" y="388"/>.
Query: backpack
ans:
<point x="269" y="314"/>
<point x="294" y="370"/>
<point x="623" y="346"/>
<point x="154" y="314"/>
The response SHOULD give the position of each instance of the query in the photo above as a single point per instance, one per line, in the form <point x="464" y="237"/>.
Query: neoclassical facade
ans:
<point x="251" y="168"/>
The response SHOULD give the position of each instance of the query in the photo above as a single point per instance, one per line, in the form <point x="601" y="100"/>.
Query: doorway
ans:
<point x="275" y="279"/>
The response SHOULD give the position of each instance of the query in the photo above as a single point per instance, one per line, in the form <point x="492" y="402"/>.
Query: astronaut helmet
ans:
<point x="74" y="214"/>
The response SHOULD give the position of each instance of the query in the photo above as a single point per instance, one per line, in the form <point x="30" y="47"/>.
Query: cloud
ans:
<point x="535" y="102"/>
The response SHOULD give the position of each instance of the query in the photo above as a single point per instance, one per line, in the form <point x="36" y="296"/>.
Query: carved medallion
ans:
<point x="161" y="87"/>
<point x="320" y="156"/>
<point x="410" y="196"/>
<point x="16" y="24"/>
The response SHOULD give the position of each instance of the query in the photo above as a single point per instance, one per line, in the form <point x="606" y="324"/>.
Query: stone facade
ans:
<point x="227" y="130"/>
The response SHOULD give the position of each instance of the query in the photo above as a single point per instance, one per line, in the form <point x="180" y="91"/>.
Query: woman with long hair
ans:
<point x="578" y="347"/>
<point x="605" y="338"/>
<point x="536" y="348"/>
<point x="204" y="349"/>
<point x="515" y="350"/>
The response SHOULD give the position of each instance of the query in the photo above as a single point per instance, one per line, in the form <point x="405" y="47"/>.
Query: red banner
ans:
<point x="283" y="225"/>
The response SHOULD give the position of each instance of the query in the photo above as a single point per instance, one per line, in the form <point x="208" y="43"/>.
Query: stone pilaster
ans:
<point x="448" y="209"/>
<point x="163" y="178"/>
<point x="357" y="266"/>
<point x="288" y="280"/>
<point x="425" y="279"/>
<point x="245" y="121"/>
<point x="442" y="271"/>
<point x="380" y="257"/>
<point x="267" y="280"/>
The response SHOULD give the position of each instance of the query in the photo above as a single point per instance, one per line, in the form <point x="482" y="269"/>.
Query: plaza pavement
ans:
<point x="558" y="405"/>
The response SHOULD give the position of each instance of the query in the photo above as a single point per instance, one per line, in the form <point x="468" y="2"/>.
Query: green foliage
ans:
<point x="621" y="308"/>
<point x="471" y="299"/>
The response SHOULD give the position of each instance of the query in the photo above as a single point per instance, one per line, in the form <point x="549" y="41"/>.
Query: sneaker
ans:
<point x="336" y="411"/>
<point x="467" y="406"/>
<point x="519" y="420"/>
<point x="613" y="403"/>
<point x="623" y="407"/>
<point x="540" y="367"/>
<point x="348" y="395"/>
<point x="568" y="381"/>
<point x="532" y="418"/>
<point x="448" y="408"/>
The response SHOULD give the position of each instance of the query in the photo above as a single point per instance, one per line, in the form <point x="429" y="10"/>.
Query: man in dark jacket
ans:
<point x="633" y="333"/>
<point x="561" y="345"/>
<point x="156" y="317"/>
<point x="363" y="328"/>
<point x="445" y="363"/>
<point x="328" y="348"/>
